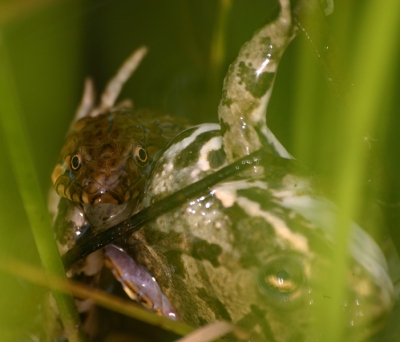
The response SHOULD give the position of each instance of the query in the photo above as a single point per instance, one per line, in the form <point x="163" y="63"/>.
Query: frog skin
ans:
<point x="255" y="249"/>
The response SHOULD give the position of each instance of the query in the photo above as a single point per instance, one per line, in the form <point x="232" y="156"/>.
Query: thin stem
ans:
<point x="371" y="74"/>
<point x="34" y="204"/>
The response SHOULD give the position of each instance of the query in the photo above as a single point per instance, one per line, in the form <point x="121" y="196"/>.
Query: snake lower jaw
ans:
<point x="105" y="215"/>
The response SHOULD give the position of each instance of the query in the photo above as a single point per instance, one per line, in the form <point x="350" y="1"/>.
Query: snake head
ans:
<point x="104" y="160"/>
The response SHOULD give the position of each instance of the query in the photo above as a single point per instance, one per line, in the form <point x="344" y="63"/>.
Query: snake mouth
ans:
<point x="116" y="195"/>
<point x="93" y="192"/>
<point x="106" y="215"/>
<point x="110" y="197"/>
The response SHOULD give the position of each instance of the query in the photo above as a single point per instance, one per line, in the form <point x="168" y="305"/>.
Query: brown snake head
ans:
<point x="109" y="150"/>
<point x="103" y="160"/>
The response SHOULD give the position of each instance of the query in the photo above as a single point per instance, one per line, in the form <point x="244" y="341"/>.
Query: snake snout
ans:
<point x="115" y="187"/>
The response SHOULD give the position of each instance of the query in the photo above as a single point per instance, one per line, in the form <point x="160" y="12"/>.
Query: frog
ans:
<point x="254" y="249"/>
<point x="251" y="250"/>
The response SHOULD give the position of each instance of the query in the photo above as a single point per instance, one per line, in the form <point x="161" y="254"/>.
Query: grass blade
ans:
<point x="34" y="203"/>
<point x="371" y="74"/>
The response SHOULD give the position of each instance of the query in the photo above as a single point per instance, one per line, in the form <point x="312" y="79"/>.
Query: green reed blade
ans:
<point x="21" y="159"/>
<point x="218" y="50"/>
<point x="371" y="73"/>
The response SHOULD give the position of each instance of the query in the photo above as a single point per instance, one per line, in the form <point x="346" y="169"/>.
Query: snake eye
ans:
<point x="283" y="279"/>
<point x="76" y="163"/>
<point x="141" y="155"/>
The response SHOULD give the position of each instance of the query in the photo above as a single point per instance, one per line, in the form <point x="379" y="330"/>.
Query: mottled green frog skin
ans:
<point x="254" y="250"/>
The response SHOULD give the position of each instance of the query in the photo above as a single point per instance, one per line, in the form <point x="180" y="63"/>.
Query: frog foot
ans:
<point x="137" y="282"/>
<point x="87" y="106"/>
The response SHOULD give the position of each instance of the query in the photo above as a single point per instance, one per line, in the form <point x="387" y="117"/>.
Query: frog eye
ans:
<point x="76" y="162"/>
<point x="141" y="155"/>
<point x="283" y="279"/>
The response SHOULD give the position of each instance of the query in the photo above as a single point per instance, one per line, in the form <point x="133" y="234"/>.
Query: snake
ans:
<point x="251" y="250"/>
<point x="100" y="177"/>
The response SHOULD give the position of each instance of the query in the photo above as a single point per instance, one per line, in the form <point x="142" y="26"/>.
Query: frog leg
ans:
<point x="137" y="281"/>
<point x="248" y="86"/>
<point x="114" y="86"/>
<point x="112" y="90"/>
<point x="87" y="102"/>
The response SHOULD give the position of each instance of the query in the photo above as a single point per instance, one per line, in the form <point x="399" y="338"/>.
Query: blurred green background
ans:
<point x="54" y="44"/>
